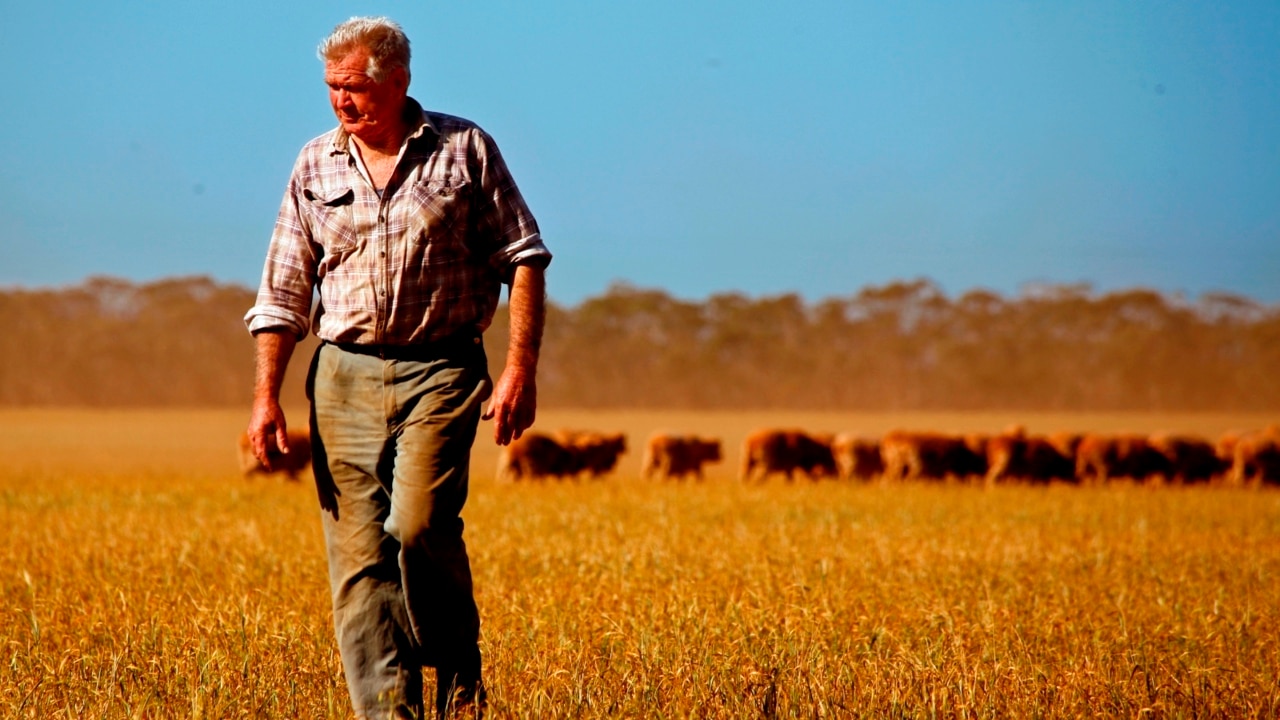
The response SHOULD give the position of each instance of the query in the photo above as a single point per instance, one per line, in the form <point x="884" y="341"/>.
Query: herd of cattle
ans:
<point x="1012" y="455"/>
<point x="1244" y="458"/>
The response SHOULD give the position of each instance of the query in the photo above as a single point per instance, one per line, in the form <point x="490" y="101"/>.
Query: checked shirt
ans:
<point x="423" y="260"/>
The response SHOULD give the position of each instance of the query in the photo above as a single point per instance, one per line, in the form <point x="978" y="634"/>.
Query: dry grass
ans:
<point x="142" y="577"/>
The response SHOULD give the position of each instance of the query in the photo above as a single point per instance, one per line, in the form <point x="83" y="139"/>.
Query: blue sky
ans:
<point x="697" y="147"/>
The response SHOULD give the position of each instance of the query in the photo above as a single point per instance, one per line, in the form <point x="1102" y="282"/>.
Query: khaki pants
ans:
<point x="392" y="442"/>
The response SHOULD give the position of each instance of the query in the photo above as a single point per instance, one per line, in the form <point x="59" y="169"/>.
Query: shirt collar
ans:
<point x="413" y="113"/>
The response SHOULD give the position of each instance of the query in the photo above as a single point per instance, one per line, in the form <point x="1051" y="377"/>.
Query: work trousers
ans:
<point x="392" y="438"/>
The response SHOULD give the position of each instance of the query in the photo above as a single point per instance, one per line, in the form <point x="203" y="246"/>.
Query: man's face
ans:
<point x="366" y="109"/>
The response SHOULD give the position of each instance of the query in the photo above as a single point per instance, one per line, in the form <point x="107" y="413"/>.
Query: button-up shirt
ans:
<point x="422" y="260"/>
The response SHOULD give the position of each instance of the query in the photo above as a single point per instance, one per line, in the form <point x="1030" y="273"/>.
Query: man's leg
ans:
<point x="352" y="448"/>
<point x="439" y="409"/>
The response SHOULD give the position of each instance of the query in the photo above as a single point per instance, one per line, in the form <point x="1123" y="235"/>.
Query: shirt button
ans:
<point x="382" y="218"/>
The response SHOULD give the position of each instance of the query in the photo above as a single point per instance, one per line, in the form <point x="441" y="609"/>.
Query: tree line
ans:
<point x="905" y="345"/>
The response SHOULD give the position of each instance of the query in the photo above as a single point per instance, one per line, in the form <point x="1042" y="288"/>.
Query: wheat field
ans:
<point x="143" y="577"/>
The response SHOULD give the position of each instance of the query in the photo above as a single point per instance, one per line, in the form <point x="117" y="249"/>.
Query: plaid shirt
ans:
<point x="422" y="262"/>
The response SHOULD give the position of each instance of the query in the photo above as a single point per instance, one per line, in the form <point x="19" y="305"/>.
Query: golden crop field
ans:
<point x="142" y="577"/>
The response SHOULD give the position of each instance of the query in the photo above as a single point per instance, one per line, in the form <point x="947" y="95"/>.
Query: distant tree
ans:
<point x="900" y="346"/>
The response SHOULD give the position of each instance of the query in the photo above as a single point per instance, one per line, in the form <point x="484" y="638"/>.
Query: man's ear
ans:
<point x="400" y="76"/>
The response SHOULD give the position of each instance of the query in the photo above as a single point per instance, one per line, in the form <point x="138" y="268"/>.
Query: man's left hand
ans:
<point x="513" y="405"/>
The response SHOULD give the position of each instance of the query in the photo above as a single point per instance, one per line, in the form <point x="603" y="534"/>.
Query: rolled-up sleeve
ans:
<point x="289" y="275"/>
<point x="525" y="251"/>
<point x="506" y="226"/>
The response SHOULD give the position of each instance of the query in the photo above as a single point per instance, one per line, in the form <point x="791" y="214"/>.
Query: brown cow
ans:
<point x="1189" y="459"/>
<point x="534" y="456"/>
<point x="1015" y="455"/>
<point x="595" y="453"/>
<point x="787" y="452"/>
<point x="912" y="455"/>
<point x="1102" y="457"/>
<point x="670" y="457"/>
<point x="1226" y="445"/>
<point x="563" y="454"/>
<point x="1256" y="458"/>
<point x="857" y="457"/>
<point x="292" y="463"/>
<point x="1066" y="443"/>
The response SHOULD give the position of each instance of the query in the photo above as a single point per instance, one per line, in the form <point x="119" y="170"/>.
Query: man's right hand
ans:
<point x="266" y="423"/>
<point x="267" y="431"/>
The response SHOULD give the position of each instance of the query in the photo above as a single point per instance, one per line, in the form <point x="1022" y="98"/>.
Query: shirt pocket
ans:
<point x="329" y="210"/>
<point x="438" y="224"/>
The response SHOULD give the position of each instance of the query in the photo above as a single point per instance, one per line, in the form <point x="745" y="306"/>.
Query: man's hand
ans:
<point x="515" y="398"/>
<point x="513" y="406"/>
<point x="266" y="422"/>
<point x="267" y="431"/>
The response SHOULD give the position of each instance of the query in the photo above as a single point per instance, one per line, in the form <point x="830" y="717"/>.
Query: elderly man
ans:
<point x="408" y="223"/>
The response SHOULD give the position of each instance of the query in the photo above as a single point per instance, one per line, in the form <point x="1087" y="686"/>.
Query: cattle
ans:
<point x="1189" y="459"/>
<point x="596" y="453"/>
<point x="534" y="456"/>
<point x="1226" y="447"/>
<point x="1066" y="443"/>
<point x="765" y="452"/>
<point x="1256" y="458"/>
<point x="563" y="454"/>
<point x="857" y="457"/>
<point x="1100" y="458"/>
<point x="291" y="464"/>
<point x="911" y="455"/>
<point x="669" y="456"/>
<point x="1014" y="455"/>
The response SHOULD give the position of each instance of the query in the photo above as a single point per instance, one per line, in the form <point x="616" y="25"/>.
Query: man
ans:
<point x="407" y="223"/>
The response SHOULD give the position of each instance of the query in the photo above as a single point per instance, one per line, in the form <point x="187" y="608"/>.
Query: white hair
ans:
<point x="383" y="37"/>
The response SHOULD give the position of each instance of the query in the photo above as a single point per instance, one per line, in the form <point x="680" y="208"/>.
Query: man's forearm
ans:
<point x="273" y="350"/>
<point x="527" y="308"/>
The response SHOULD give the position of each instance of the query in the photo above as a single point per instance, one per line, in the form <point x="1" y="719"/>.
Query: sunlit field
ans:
<point x="143" y="577"/>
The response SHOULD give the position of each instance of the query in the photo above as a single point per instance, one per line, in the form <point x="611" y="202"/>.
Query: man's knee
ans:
<point x="428" y="534"/>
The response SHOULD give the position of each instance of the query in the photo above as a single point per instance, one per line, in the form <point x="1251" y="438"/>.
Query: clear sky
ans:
<point x="698" y="147"/>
